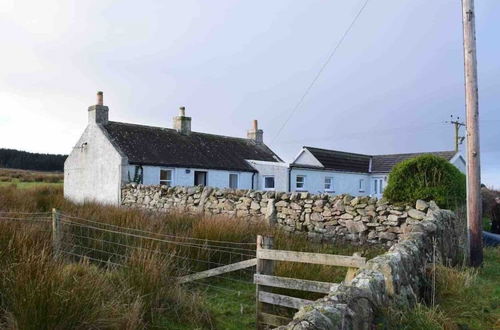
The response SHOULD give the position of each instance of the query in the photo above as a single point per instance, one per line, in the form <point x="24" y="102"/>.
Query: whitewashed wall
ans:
<point x="94" y="172"/>
<point x="343" y="183"/>
<point x="278" y="170"/>
<point x="459" y="162"/>
<point x="215" y="178"/>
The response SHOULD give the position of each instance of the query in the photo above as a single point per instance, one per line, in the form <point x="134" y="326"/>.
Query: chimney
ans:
<point x="255" y="133"/>
<point x="98" y="114"/>
<point x="182" y="123"/>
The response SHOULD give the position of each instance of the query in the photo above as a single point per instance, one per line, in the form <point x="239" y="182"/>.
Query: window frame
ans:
<point x="361" y="185"/>
<point x="332" y="188"/>
<point x="171" y="181"/>
<point x="264" y="182"/>
<point x="237" y="180"/>
<point x="297" y="182"/>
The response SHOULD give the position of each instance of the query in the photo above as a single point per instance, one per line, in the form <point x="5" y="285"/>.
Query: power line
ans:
<point x="332" y="53"/>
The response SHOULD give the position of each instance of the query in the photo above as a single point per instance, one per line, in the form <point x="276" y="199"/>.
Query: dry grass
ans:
<point x="14" y="175"/>
<point x="144" y="293"/>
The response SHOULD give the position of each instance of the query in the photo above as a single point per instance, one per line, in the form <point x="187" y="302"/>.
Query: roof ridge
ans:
<point x="172" y="129"/>
<point x="331" y="150"/>
<point x="416" y="153"/>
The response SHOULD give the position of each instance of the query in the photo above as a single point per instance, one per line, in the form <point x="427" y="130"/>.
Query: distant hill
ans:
<point x="10" y="158"/>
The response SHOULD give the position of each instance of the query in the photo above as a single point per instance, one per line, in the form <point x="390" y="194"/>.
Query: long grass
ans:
<point x="144" y="293"/>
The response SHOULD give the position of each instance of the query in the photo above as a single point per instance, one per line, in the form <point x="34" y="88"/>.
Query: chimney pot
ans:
<point x="100" y="98"/>
<point x="255" y="133"/>
<point x="182" y="111"/>
<point x="98" y="114"/>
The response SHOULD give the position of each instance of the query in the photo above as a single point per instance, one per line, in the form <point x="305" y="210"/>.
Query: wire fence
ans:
<point x="110" y="245"/>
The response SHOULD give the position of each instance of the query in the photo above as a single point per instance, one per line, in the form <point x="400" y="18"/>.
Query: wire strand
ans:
<point x="323" y="67"/>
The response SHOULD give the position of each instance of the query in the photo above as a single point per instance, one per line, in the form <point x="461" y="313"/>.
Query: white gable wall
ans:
<point x="305" y="157"/>
<point x="459" y="162"/>
<point x="93" y="172"/>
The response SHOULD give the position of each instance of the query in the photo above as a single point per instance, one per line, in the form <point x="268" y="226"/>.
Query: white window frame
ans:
<point x="237" y="180"/>
<point x="264" y="182"/>
<point x="331" y="189"/>
<point x="171" y="181"/>
<point x="297" y="182"/>
<point x="361" y="185"/>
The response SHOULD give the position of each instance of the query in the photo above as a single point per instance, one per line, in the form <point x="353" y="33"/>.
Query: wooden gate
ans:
<point x="265" y="280"/>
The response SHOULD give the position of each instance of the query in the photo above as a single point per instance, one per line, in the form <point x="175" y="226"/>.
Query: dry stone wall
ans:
<point x="325" y="218"/>
<point x="397" y="277"/>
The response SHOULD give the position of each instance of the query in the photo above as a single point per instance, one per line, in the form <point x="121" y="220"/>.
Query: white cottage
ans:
<point x="336" y="172"/>
<point x="109" y="154"/>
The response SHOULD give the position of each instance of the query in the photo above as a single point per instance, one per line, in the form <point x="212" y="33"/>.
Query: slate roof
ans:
<point x="147" y="145"/>
<point x="385" y="163"/>
<point x="351" y="162"/>
<point x="340" y="161"/>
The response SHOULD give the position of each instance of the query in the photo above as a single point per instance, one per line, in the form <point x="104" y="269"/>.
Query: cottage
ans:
<point x="110" y="154"/>
<point x="336" y="172"/>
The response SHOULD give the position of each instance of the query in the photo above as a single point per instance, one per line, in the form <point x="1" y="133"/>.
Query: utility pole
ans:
<point x="458" y="139"/>
<point x="472" y="126"/>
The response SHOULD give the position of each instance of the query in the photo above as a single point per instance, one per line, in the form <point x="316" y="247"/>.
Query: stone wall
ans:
<point x="397" y="277"/>
<point x="417" y="236"/>
<point x="323" y="217"/>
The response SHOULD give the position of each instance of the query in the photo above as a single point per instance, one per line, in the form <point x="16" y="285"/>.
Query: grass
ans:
<point x="144" y="294"/>
<point x="29" y="179"/>
<point x="465" y="299"/>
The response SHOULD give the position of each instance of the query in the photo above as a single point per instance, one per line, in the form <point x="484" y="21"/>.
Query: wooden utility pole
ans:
<point x="458" y="139"/>
<point x="472" y="125"/>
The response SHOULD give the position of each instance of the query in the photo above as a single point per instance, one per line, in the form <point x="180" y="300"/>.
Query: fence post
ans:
<point x="265" y="267"/>
<point x="56" y="232"/>
<point x="351" y="272"/>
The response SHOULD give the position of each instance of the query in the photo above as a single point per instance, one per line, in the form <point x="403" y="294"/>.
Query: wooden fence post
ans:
<point x="351" y="271"/>
<point x="264" y="267"/>
<point x="56" y="232"/>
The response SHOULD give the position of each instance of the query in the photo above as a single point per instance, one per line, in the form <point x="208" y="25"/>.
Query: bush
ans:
<point x="426" y="177"/>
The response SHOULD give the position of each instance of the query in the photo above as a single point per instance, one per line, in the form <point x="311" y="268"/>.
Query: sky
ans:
<point x="389" y="88"/>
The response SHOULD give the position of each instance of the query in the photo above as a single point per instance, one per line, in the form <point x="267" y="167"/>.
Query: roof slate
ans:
<point x="147" y="145"/>
<point x="385" y="163"/>
<point x="351" y="162"/>
<point x="341" y="161"/>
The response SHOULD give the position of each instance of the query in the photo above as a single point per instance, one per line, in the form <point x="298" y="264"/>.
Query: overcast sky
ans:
<point x="390" y="87"/>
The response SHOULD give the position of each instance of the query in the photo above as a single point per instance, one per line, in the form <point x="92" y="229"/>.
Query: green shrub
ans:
<point x="426" y="177"/>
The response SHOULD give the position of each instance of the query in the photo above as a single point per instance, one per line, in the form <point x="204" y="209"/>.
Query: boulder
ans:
<point x="421" y="205"/>
<point x="416" y="214"/>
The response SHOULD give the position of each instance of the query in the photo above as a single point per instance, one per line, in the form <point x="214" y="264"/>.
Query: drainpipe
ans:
<point x="253" y="176"/>
<point x="289" y="179"/>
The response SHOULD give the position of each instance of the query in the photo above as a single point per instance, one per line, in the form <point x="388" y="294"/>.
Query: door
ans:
<point x="200" y="178"/>
<point x="377" y="187"/>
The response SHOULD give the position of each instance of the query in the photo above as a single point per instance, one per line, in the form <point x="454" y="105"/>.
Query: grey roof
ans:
<point x="385" y="163"/>
<point x="340" y="160"/>
<point x="147" y="145"/>
<point x="351" y="162"/>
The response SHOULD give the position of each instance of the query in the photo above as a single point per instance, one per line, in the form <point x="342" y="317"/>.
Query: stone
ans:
<point x="355" y="226"/>
<point x="421" y="205"/>
<point x="346" y="216"/>
<point x="416" y="214"/>
<point x="387" y="236"/>
<point x="316" y="216"/>
<point x="281" y="203"/>
<point x="354" y="201"/>
<point x="347" y="199"/>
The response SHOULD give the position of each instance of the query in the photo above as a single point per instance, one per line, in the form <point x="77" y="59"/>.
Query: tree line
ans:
<point x="11" y="158"/>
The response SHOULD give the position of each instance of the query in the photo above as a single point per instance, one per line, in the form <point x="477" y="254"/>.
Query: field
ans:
<point x="27" y="179"/>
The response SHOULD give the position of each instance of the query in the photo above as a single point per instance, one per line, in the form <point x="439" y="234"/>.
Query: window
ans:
<point x="233" y="181"/>
<point x="269" y="182"/>
<point x="300" y="182"/>
<point x="166" y="178"/>
<point x="361" y="184"/>
<point x="375" y="186"/>
<point x="328" y="183"/>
